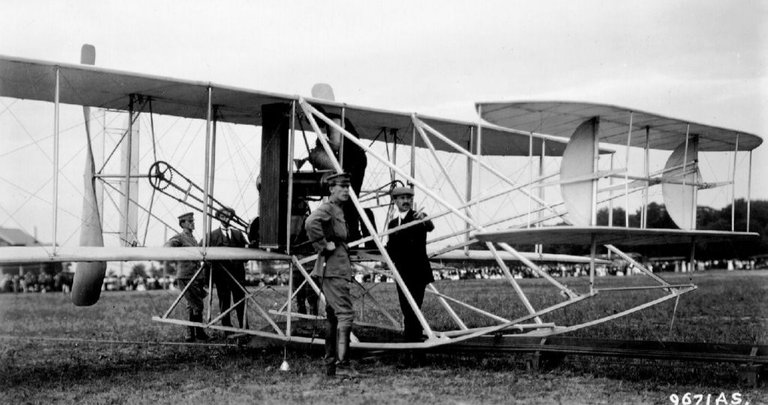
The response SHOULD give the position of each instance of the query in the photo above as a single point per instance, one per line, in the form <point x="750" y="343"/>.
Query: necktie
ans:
<point x="226" y="236"/>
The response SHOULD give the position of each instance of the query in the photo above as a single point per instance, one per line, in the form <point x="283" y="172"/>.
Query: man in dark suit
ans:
<point x="408" y="250"/>
<point x="226" y="288"/>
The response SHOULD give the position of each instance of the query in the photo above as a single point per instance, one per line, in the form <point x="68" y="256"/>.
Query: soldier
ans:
<point x="408" y="250"/>
<point x="185" y="270"/>
<point x="327" y="230"/>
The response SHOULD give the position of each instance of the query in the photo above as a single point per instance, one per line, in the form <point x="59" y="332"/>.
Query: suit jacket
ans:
<point x="408" y="250"/>
<point x="216" y="238"/>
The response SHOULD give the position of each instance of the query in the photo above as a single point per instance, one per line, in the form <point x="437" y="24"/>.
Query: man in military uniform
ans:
<point x="327" y="230"/>
<point x="226" y="288"/>
<point x="408" y="250"/>
<point x="185" y="270"/>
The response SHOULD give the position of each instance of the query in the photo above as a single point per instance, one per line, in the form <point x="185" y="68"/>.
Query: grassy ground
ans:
<point x="51" y="351"/>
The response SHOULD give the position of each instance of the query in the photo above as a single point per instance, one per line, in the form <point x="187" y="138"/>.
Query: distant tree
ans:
<point x="758" y="222"/>
<point x="618" y="217"/>
<point x="154" y="271"/>
<point x="657" y="217"/>
<point x="138" y="271"/>
<point x="170" y="268"/>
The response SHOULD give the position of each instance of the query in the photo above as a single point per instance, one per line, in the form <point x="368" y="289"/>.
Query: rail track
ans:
<point x="752" y="359"/>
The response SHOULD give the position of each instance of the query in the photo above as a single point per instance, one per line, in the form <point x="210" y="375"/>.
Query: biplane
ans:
<point x="467" y="174"/>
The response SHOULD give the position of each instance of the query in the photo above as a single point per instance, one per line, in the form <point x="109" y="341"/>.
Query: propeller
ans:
<point x="86" y="287"/>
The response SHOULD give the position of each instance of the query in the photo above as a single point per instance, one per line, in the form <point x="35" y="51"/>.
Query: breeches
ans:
<point x="339" y="300"/>
<point x="194" y="295"/>
<point x="305" y="295"/>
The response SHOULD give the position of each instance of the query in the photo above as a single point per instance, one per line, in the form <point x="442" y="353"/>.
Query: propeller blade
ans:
<point x="86" y="287"/>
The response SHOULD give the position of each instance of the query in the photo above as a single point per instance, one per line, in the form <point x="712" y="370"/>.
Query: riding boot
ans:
<point x="330" y="349"/>
<point x="313" y="304"/>
<point x="189" y="335"/>
<point x="200" y="332"/>
<point x="343" y="366"/>
<point x="301" y="307"/>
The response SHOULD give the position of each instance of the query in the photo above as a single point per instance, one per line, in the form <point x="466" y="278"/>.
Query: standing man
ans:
<point x="185" y="270"/>
<point x="226" y="288"/>
<point x="327" y="230"/>
<point x="408" y="250"/>
<point x="306" y="298"/>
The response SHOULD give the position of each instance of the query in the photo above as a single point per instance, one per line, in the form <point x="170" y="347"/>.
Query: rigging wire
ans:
<point x="125" y="133"/>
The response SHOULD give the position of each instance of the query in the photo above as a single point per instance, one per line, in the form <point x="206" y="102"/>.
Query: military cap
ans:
<point x="188" y="216"/>
<point x="336" y="178"/>
<point x="402" y="191"/>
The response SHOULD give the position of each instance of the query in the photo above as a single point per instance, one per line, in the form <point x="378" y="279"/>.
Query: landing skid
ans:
<point x="285" y="326"/>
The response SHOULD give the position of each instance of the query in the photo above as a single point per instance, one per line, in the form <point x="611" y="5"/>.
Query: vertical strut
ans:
<point x="413" y="153"/>
<point x="212" y="175"/>
<point x="289" y="162"/>
<point x="530" y="179"/>
<point x="539" y="248"/>
<point x="127" y="156"/>
<point x="206" y="178"/>
<point x="56" y="160"/>
<point x="610" y="196"/>
<point x="592" y="253"/>
<point x="468" y="189"/>
<point x="626" y="172"/>
<point x="685" y="163"/>
<point x="646" y="173"/>
<point x="749" y="188"/>
<point x="733" y="186"/>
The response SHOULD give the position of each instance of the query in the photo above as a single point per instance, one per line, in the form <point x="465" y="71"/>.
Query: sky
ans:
<point x="705" y="61"/>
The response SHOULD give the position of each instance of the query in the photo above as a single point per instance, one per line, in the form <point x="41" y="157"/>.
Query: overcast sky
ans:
<point x="706" y="61"/>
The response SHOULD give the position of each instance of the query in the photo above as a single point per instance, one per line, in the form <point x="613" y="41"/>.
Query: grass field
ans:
<point x="51" y="351"/>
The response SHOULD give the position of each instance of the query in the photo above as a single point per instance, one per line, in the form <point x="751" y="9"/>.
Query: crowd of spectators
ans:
<point x="33" y="282"/>
<point x="62" y="281"/>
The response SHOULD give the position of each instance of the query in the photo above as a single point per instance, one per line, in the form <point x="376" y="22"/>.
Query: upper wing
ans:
<point x="561" y="119"/>
<point x="106" y="88"/>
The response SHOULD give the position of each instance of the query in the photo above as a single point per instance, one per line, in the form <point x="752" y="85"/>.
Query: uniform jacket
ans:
<point x="184" y="269"/>
<point x="327" y="224"/>
<point x="237" y="240"/>
<point x="408" y="250"/>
